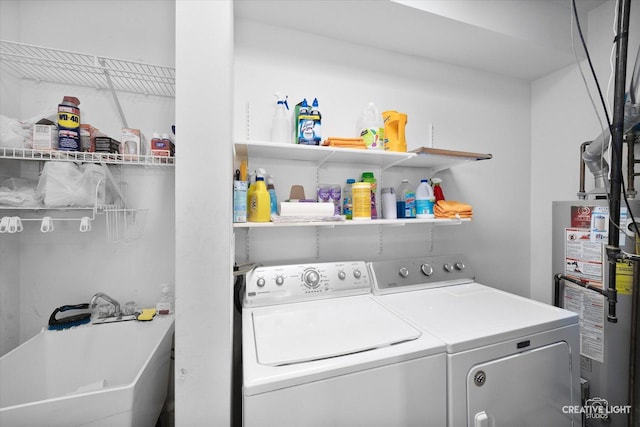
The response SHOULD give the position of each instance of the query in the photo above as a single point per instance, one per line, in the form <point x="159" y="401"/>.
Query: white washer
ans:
<point x="511" y="361"/>
<point x="319" y="350"/>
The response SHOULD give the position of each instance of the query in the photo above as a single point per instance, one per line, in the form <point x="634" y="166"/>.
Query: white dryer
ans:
<point x="511" y="361"/>
<point x="320" y="350"/>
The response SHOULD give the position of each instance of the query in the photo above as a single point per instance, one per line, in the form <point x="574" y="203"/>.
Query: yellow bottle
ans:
<point x="259" y="206"/>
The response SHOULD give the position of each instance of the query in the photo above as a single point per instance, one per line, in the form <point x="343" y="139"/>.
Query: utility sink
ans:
<point x="113" y="374"/>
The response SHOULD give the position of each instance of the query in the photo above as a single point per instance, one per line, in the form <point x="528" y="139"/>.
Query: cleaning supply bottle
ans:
<point x="273" y="199"/>
<point x="304" y="124"/>
<point x="317" y="117"/>
<point x="164" y="305"/>
<point x="368" y="177"/>
<point x="280" y="122"/>
<point x="394" y="131"/>
<point x="259" y="205"/>
<point x="371" y="128"/>
<point x="424" y="200"/>
<point x="437" y="189"/>
<point x="251" y="188"/>
<point x="361" y="201"/>
<point x="406" y="200"/>
<point x="347" y="199"/>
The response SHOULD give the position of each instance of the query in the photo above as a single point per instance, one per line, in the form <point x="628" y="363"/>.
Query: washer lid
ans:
<point x="308" y="331"/>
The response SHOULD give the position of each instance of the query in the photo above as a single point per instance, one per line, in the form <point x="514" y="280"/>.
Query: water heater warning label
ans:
<point x="584" y="260"/>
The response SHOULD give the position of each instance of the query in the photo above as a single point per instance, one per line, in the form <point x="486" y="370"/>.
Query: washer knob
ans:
<point x="448" y="268"/>
<point x="459" y="266"/>
<point x="404" y="271"/>
<point x="357" y="273"/>
<point x="311" y="279"/>
<point x="426" y="269"/>
<point x="342" y="275"/>
<point x="279" y="280"/>
<point x="261" y="282"/>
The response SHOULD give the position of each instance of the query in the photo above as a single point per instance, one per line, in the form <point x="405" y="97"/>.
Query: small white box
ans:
<point x="45" y="137"/>
<point x="130" y="143"/>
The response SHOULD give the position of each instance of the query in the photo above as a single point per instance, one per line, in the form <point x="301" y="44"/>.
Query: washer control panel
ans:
<point x="419" y="273"/>
<point x="269" y="285"/>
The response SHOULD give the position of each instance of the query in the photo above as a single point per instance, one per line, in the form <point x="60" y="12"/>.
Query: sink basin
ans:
<point x="114" y="374"/>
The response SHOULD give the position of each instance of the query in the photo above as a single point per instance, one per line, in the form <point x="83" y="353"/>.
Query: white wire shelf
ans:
<point x="79" y="69"/>
<point x="81" y="156"/>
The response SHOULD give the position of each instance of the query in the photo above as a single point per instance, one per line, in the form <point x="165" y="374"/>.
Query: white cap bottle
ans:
<point x="424" y="200"/>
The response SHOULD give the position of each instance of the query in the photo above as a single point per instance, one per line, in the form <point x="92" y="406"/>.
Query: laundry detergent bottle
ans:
<point x="259" y="203"/>
<point x="370" y="127"/>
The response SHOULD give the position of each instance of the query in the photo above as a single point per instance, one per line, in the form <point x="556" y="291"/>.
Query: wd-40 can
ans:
<point x="69" y="124"/>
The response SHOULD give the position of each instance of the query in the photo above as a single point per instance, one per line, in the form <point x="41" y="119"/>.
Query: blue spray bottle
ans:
<point x="272" y="193"/>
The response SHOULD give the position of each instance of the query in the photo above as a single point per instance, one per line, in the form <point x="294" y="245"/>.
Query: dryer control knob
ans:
<point x="357" y="273"/>
<point x="459" y="266"/>
<point x="261" y="282"/>
<point x="448" y="268"/>
<point x="404" y="271"/>
<point x="426" y="269"/>
<point x="342" y="275"/>
<point x="279" y="280"/>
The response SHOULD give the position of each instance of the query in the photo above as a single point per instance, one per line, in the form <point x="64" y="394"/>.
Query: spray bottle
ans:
<point x="273" y="199"/>
<point x="280" y="124"/>
<point x="317" y="118"/>
<point x="437" y="189"/>
<point x="69" y="124"/>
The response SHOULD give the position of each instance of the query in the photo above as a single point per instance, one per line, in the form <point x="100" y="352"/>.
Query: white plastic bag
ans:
<point x="14" y="134"/>
<point x="18" y="192"/>
<point x="65" y="184"/>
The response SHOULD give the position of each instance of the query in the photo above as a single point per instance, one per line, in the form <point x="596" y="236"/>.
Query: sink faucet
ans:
<point x="116" y="304"/>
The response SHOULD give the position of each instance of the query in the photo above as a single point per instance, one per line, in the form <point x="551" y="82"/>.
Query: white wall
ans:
<point x="43" y="271"/>
<point x="562" y="118"/>
<point x="204" y="247"/>
<point x="470" y="111"/>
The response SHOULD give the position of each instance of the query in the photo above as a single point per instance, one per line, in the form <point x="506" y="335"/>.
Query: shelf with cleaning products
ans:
<point x="428" y="158"/>
<point x="348" y="223"/>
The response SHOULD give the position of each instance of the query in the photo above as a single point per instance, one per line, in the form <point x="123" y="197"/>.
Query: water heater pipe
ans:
<point x="613" y="248"/>
<point x="629" y="114"/>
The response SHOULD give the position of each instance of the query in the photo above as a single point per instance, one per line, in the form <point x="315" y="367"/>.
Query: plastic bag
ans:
<point x="65" y="184"/>
<point x="18" y="192"/>
<point x="15" y="134"/>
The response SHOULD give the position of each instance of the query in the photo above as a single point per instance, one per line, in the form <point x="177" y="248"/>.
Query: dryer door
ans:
<point x="524" y="389"/>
